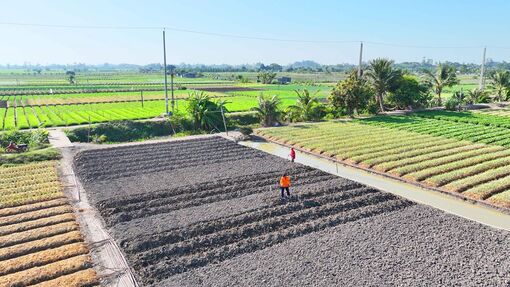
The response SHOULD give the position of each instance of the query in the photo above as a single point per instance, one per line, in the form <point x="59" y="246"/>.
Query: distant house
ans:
<point x="189" y="75"/>
<point x="284" y="80"/>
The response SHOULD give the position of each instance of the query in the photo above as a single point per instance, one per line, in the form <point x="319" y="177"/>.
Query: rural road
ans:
<point x="481" y="214"/>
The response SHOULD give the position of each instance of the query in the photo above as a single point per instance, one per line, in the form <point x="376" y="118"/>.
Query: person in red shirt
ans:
<point x="285" y="185"/>
<point x="292" y="154"/>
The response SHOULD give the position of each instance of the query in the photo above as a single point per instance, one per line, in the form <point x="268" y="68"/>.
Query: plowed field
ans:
<point x="180" y="210"/>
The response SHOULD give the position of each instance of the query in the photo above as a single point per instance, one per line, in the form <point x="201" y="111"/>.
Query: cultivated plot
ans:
<point x="40" y="240"/>
<point x="181" y="209"/>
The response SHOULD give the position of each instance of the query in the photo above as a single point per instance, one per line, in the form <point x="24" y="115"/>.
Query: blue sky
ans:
<point x="443" y="23"/>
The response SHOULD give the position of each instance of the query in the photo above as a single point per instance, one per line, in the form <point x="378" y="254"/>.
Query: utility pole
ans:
<point x="166" y="78"/>
<point x="224" y="122"/>
<point x="360" y="72"/>
<point x="172" y="88"/>
<point x="482" y="71"/>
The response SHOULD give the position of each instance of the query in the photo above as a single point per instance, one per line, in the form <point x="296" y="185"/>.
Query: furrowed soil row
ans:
<point x="191" y="192"/>
<point x="170" y="267"/>
<point x="222" y="194"/>
<point x="267" y="225"/>
<point x="164" y="164"/>
<point x="253" y="223"/>
<point x="164" y="193"/>
<point x="143" y="148"/>
<point x="171" y="153"/>
<point x="201" y="228"/>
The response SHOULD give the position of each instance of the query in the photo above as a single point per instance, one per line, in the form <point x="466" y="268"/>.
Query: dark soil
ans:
<point x="207" y="213"/>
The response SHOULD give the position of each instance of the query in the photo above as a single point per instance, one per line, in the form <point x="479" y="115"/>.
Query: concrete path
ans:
<point x="59" y="139"/>
<point x="444" y="202"/>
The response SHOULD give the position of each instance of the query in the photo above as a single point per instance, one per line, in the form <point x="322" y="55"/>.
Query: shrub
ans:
<point x="120" y="131"/>
<point x="180" y="123"/>
<point x="242" y="119"/>
<point x="246" y="131"/>
<point x="30" y="156"/>
<point x="35" y="139"/>
<point x="452" y="104"/>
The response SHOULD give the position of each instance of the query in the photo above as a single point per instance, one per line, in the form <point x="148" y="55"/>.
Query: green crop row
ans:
<point x="484" y="119"/>
<point x="31" y="117"/>
<point x="444" y="128"/>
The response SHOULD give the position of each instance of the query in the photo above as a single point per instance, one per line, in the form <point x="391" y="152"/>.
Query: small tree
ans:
<point x="383" y="77"/>
<point x="351" y="94"/>
<point x="266" y="77"/>
<point x="444" y="76"/>
<point x="410" y="93"/>
<point x="456" y="101"/>
<point x="307" y="107"/>
<point x="268" y="110"/>
<point x="500" y="83"/>
<point x="71" y="77"/>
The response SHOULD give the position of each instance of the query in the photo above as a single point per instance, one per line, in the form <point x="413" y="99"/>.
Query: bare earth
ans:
<point x="206" y="212"/>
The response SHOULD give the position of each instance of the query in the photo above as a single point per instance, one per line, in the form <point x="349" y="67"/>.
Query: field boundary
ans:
<point x="109" y="261"/>
<point x="372" y="171"/>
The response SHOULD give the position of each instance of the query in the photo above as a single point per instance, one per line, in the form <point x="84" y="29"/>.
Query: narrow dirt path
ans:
<point x="476" y="212"/>
<point x="109" y="261"/>
<point x="59" y="139"/>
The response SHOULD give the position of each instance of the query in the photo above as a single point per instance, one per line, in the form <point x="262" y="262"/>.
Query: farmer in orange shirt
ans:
<point x="285" y="184"/>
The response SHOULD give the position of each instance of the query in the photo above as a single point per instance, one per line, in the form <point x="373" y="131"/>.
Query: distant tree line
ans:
<point x="383" y="86"/>
<point x="300" y="66"/>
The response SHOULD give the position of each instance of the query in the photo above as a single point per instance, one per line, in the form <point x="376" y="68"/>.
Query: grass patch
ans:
<point x="45" y="154"/>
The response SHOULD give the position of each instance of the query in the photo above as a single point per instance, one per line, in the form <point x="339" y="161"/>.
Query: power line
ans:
<point x="225" y="35"/>
<point x="422" y="47"/>
<point x="81" y="26"/>
<point x="173" y="29"/>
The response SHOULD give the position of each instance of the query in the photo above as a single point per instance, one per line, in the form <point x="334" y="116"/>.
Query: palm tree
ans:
<point x="383" y="78"/>
<point x="500" y="83"/>
<point x="71" y="77"/>
<point x="476" y="96"/>
<point x="305" y="108"/>
<point x="444" y="76"/>
<point x="268" y="110"/>
<point x="206" y="114"/>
